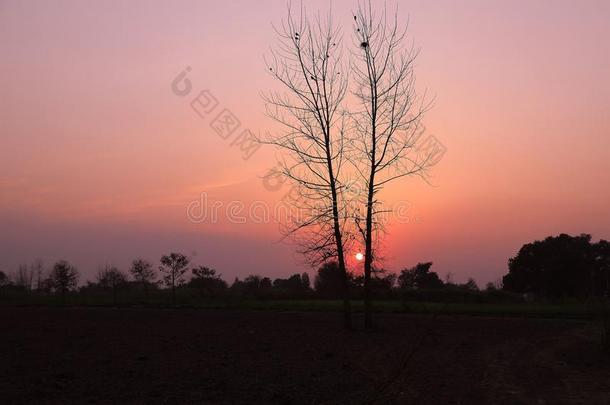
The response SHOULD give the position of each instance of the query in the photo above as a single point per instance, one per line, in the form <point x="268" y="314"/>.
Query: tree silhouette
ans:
<point x="24" y="277"/>
<point x="602" y="267"/>
<point x="111" y="278"/>
<point x="471" y="285"/>
<point x="382" y="283"/>
<point x="63" y="278"/>
<point x="173" y="268"/>
<point x="142" y="272"/>
<point x="4" y="280"/>
<point x="329" y="280"/>
<point x="307" y="63"/>
<point x="388" y="124"/>
<point x="206" y="280"/>
<point x="256" y="285"/>
<point x="419" y="277"/>
<point x="37" y="270"/>
<point x="560" y="266"/>
<point x="294" y="285"/>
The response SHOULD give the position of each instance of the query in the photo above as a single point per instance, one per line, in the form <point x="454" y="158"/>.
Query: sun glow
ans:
<point x="359" y="256"/>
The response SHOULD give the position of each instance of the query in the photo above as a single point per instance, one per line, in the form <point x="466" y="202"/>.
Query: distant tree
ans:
<point x="256" y="285"/>
<point x="419" y="277"/>
<point x="265" y="284"/>
<point x="63" y="278"/>
<point x="111" y="278"/>
<point x="294" y="285"/>
<point x="561" y="266"/>
<point x="24" y="277"/>
<point x="253" y="280"/>
<point x="30" y="277"/>
<point x="471" y="285"/>
<point x="237" y="286"/>
<point x="173" y="268"/>
<point x="207" y="281"/>
<point x="142" y="272"/>
<point x="329" y="280"/>
<point x="37" y="270"/>
<point x="602" y="267"/>
<point x="382" y="283"/>
<point x="490" y="287"/>
<point x="4" y="280"/>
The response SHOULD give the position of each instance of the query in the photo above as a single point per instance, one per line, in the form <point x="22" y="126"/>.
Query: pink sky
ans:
<point x="99" y="159"/>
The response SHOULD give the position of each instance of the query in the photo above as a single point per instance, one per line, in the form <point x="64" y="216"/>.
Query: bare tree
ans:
<point x="173" y="268"/>
<point x="29" y="277"/>
<point x="307" y="63"/>
<point x="386" y="124"/>
<point x="63" y="278"/>
<point x="143" y="272"/>
<point x="37" y="270"/>
<point x="24" y="277"/>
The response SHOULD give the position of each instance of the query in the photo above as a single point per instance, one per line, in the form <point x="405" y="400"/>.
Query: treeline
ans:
<point x="556" y="268"/>
<point x="177" y="280"/>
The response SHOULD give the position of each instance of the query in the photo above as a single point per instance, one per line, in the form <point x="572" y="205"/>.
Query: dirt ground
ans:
<point x="179" y="356"/>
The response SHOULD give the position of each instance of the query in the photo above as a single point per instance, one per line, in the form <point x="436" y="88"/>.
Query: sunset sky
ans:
<point x="100" y="159"/>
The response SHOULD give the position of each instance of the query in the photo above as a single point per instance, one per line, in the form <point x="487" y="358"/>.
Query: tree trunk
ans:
<point x="347" y="309"/>
<point x="368" y="260"/>
<point x="368" y="250"/>
<point x="173" y="290"/>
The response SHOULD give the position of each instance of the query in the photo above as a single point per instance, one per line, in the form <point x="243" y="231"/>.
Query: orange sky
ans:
<point x="100" y="159"/>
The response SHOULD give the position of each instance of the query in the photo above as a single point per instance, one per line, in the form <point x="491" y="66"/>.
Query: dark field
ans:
<point x="181" y="356"/>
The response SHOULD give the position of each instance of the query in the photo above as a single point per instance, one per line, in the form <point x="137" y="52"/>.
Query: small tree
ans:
<point x="63" y="278"/>
<point x="143" y="272"/>
<point x="24" y="277"/>
<point x="471" y="285"/>
<point x="111" y="278"/>
<point x="207" y="280"/>
<point x="37" y="269"/>
<point x="173" y="268"/>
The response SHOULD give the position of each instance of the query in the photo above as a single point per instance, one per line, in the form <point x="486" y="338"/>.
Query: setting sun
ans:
<point x="359" y="256"/>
